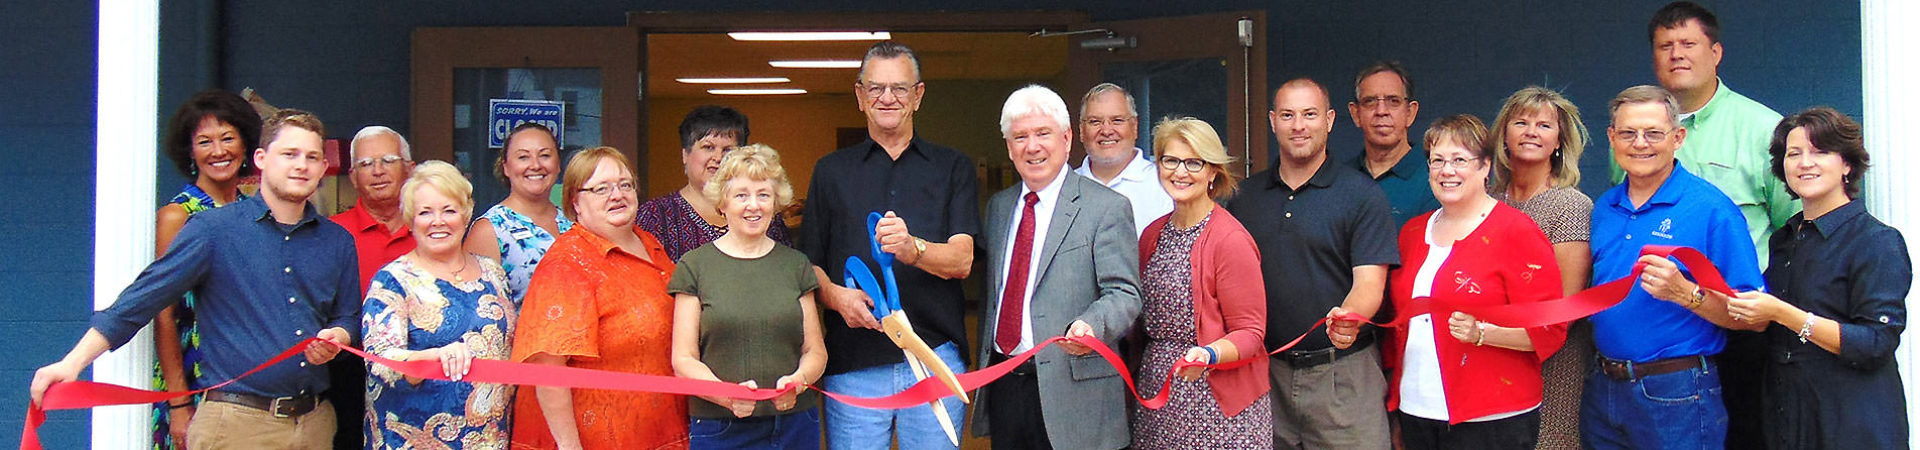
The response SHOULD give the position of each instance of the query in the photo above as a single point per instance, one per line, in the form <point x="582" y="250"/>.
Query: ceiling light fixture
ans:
<point x="735" y="80"/>
<point x="756" y="91"/>
<point x="816" y="63"/>
<point x="811" y="36"/>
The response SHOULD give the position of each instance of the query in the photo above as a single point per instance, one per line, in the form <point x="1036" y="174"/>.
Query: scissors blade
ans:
<point x="939" y="406"/>
<point x="901" y="332"/>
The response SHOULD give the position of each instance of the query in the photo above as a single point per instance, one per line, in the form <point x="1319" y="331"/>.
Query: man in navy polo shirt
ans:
<point x="1326" y="239"/>
<point x="1658" y="386"/>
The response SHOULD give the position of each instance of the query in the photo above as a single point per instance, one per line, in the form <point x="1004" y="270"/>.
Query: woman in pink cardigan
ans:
<point x="1204" y="302"/>
<point x="1458" y="382"/>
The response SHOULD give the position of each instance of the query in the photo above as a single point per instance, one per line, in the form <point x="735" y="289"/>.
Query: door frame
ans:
<point x="437" y="52"/>
<point x="1246" y="66"/>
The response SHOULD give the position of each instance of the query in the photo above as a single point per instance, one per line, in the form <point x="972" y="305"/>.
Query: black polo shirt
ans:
<point x="931" y="186"/>
<point x="1310" y="240"/>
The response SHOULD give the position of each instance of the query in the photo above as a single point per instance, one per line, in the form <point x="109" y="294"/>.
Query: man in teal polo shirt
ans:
<point x="1383" y="108"/>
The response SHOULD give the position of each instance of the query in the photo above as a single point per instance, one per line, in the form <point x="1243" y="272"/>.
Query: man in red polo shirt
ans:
<point x="379" y="161"/>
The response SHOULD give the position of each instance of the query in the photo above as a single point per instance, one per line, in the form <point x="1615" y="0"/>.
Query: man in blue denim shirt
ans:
<point x="1656" y="385"/>
<point x="242" y="260"/>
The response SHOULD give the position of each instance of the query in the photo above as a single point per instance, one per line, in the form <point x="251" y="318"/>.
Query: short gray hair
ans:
<point x="1646" y="93"/>
<point x="1033" y="99"/>
<point x="889" y="50"/>
<point x="1102" y="89"/>
<point x="353" y="147"/>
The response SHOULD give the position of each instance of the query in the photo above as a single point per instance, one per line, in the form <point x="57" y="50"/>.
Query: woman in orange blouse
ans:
<point x="599" y="301"/>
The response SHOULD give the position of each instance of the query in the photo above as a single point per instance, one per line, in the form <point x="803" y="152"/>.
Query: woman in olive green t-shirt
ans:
<point x="744" y="313"/>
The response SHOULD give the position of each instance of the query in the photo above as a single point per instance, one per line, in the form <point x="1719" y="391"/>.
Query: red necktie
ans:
<point x="1013" y="299"/>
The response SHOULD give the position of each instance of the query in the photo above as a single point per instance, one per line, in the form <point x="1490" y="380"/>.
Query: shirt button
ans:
<point x="286" y="238"/>
<point x="1629" y="237"/>
<point x="299" y="332"/>
<point x="292" y="300"/>
<point x="1633" y="216"/>
<point x="303" y="364"/>
<point x="1289" y="215"/>
<point x="289" y="269"/>
<point x="1289" y="197"/>
<point x="1789" y="264"/>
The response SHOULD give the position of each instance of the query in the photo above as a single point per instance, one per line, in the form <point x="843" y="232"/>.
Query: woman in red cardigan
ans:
<point x="1458" y="382"/>
<point x="1204" y="301"/>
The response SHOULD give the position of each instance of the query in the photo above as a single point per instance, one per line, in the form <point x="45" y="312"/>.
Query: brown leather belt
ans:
<point x="1628" y="370"/>
<point x="282" y="407"/>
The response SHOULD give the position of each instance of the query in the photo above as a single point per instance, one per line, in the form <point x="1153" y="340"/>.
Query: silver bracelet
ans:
<point x="1806" y="328"/>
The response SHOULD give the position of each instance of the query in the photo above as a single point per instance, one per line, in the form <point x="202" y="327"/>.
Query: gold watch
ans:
<point x="919" y="248"/>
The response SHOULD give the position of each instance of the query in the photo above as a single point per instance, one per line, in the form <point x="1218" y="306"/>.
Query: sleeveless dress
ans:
<point x="522" y="245"/>
<point x="1192" y="418"/>
<point x="194" y="200"/>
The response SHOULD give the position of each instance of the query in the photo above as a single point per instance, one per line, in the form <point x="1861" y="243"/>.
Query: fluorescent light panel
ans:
<point x="811" y="36"/>
<point x="816" y="63"/>
<point x="756" y="91"/>
<point x="734" y="80"/>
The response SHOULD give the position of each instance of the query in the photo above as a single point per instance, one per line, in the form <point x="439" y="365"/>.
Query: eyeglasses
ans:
<point x="1116" y="121"/>
<point x="874" y="90"/>
<point x="1392" y="101"/>
<point x="1652" y="136"/>
<point x="1457" y="163"/>
<point x="384" y="161"/>
<point x="603" y="189"/>
<point x="1193" y="165"/>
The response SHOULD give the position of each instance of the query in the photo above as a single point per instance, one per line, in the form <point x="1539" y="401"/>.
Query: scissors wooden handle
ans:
<point x="901" y="332"/>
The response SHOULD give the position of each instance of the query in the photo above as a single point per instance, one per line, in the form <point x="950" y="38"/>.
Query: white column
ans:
<point x="124" y="158"/>
<point x="1887" y="40"/>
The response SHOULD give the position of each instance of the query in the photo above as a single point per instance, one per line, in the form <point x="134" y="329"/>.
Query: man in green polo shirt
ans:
<point x="1727" y="139"/>
<point x="1727" y="133"/>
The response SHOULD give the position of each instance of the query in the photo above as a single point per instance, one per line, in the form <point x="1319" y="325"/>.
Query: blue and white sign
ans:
<point x="504" y="114"/>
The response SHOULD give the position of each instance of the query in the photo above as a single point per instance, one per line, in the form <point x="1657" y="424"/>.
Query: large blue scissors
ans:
<point x="894" y="323"/>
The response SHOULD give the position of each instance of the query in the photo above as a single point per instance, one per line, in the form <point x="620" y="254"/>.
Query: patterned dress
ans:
<point x="1564" y="215"/>
<point x="194" y="200"/>
<point x="680" y="228"/>
<point x="522" y="245"/>
<point x="1192" y="418"/>
<point x="408" y="310"/>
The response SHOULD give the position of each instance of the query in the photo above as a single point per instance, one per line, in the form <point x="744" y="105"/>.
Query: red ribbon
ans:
<point x="88" y="394"/>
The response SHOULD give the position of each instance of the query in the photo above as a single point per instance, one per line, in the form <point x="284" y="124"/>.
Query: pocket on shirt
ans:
<point x="1090" y="366"/>
<point x="1742" y="192"/>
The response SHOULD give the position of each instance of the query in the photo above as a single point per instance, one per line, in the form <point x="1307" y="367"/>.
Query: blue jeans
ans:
<point x="851" y="427"/>
<point x="1672" y="410"/>
<point x="796" y="430"/>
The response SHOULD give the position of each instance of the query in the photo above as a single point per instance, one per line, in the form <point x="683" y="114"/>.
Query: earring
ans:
<point x="1556" y="153"/>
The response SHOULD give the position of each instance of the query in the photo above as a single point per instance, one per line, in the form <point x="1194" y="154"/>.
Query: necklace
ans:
<point x="457" y="278"/>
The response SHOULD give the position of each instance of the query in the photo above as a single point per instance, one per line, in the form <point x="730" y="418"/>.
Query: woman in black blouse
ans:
<point x="1841" y="277"/>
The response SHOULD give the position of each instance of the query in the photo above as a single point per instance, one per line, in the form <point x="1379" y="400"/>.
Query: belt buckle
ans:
<point x="275" y="407"/>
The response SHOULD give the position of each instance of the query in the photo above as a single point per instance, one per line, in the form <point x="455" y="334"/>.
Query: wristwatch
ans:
<point x="919" y="248"/>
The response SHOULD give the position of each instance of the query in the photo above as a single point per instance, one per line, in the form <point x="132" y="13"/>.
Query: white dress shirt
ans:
<point x="1043" y="215"/>
<point x="1140" y="183"/>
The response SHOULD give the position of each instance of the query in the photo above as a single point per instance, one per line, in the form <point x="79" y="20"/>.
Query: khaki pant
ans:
<point x="1340" y="405"/>
<point x="221" y="426"/>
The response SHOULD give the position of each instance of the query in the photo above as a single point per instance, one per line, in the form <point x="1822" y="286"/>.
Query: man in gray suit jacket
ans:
<point x="1074" y="270"/>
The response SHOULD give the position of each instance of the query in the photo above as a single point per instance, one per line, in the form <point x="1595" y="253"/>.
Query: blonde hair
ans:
<point x="756" y="162"/>
<point x="442" y="178"/>
<point x="580" y="168"/>
<point x="1200" y="137"/>
<point x="1564" y="164"/>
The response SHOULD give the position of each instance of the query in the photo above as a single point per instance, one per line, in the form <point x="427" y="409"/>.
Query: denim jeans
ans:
<point x="1672" y="410"/>
<point x="795" y="430"/>
<point x="851" y="427"/>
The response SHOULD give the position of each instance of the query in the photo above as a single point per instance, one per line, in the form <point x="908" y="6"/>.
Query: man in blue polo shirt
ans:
<point x="1658" y="386"/>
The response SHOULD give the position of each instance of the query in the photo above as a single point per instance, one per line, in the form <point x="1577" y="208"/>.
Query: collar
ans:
<point x="1720" y="92"/>
<point x="358" y="220"/>
<point x="1138" y="169"/>
<point x="1322" y="177"/>
<point x="256" y="208"/>
<point x="874" y="148"/>
<point x="603" y="247"/>
<point x="1666" y="194"/>
<point x="1051" y="192"/>
<point x="1407" y="168"/>
<point x="1833" y="220"/>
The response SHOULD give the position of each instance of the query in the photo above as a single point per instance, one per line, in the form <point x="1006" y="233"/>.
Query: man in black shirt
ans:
<point x="931" y="200"/>
<point x="1326" y="238"/>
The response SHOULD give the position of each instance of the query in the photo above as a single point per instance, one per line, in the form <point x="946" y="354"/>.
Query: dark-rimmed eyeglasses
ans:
<point x="1193" y="165"/>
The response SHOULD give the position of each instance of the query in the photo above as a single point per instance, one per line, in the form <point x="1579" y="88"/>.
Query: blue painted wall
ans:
<point x="348" y="62"/>
<point x="46" y="143"/>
